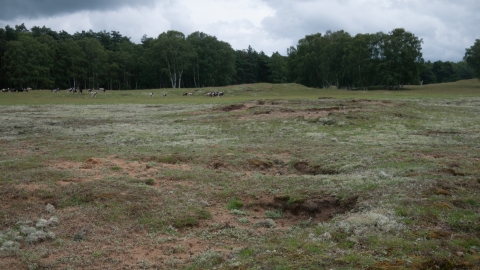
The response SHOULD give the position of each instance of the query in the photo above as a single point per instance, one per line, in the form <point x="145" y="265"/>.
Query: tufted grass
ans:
<point x="178" y="171"/>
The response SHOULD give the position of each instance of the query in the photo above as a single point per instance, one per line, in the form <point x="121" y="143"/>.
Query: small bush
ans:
<point x="170" y="159"/>
<point x="235" y="203"/>
<point x="79" y="236"/>
<point x="247" y="252"/>
<point x="150" y="182"/>
<point x="274" y="214"/>
<point x="204" y="214"/>
<point x="267" y="223"/>
<point x="186" y="221"/>
<point x="243" y="220"/>
<point x="238" y="212"/>
<point x="116" y="168"/>
<point x="208" y="259"/>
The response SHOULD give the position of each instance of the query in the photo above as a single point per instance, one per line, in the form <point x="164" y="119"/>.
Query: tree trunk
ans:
<point x="180" y="79"/>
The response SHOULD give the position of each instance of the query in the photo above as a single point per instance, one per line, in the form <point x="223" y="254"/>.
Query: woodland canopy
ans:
<point x="41" y="58"/>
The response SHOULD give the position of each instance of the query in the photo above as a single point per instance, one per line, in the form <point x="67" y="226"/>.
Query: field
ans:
<point x="266" y="177"/>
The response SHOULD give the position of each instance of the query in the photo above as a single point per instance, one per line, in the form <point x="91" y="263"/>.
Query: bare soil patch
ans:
<point x="273" y="166"/>
<point x="101" y="168"/>
<point x="233" y="107"/>
<point x="304" y="167"/>
<point x="317" y="207"/>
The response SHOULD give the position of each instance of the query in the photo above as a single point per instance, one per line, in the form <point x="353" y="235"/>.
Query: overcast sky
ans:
<point x="447" y="27"/>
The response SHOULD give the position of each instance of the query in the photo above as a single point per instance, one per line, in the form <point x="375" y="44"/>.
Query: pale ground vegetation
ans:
<point x="260" y="184"/>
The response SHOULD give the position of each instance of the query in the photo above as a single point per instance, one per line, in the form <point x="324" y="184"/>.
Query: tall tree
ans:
<point x="307" y="63"/>
<point x="74" y="62"/>
<point x="215" y="61"/>
<point x="3" y="48"/>
<point x="361" y="60"/>
<point x="444" y="71"/>
<point x="28" y="62"/>
<point x="95" y="56"/>
<point x="472" y="57"/>
<point x="427" y="76"/>
<point x="332" y="57"/>
<point x="278" y="68"/>
<point x="173" y="55"/>
<point x="402" y="58"/>
<point x="464" y="71"/>
<point x="263" y="67"/>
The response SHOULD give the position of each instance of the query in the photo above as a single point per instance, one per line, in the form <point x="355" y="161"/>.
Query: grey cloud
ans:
<point x="447" y="27"/>
<point x="30" y="9"/>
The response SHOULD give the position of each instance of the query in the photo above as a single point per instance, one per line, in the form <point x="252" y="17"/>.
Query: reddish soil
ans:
<point x="101" y="242"/>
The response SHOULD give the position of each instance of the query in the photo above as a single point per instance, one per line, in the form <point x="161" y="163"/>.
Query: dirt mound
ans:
<point x="216" y="165"/>
<point x="305" y="168"/>
<point x="274" y="166"/>
<point x="232" y="107"/>
<point x="93" y="161"/>
<point x="317" y="207"/>
<point x="259" y="163"/>
<point x="327" y="109"/>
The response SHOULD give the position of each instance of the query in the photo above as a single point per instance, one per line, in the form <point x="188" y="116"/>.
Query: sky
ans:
<point x="447" y="27"/>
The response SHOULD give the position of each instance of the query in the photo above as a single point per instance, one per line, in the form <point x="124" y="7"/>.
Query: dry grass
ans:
<point x="267" y="177"/>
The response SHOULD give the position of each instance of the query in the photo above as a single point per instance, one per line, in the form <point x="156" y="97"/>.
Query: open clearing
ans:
<point x="267" y="177"/>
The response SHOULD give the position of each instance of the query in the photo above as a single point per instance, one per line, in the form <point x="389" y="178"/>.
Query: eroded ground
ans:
<point x="262" y="184"/>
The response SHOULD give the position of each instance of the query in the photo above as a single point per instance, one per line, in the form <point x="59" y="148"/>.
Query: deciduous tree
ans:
<point x="172" y="55"/>
<point x="472" y="57"/>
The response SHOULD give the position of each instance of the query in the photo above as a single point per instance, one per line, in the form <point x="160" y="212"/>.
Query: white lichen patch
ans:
<point x="368" y="222"/>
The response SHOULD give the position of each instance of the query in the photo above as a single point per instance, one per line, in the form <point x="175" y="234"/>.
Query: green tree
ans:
<point x="401" y="58"/>
<point x="214" y="64"/>
<point x="95" y="57"/>
<point x="74" y="62"/>
<point x="172" y="55"/>
<point x="28" y="62"/>
<point x="306" y="62"/>
<point x="263" y="67"/>
<point x="278" y="68"/>
<point x="427" y="76"/>
<point x="361" y="60"/>
<point x="337" y="74"/>
<point x="51" y="49"/>
<point x="464" y="71"/>
<point x="472" y="57"/>
<point x="3" y="48"/>
<point x="444" y="71"/>
<point x="39" y="31"/>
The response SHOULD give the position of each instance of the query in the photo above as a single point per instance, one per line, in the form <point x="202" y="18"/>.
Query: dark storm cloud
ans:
<point x="30" y="9"/>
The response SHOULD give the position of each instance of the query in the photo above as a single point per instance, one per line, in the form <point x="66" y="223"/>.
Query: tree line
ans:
<point x="43" y="59"/>
<point x="389" y="60"/>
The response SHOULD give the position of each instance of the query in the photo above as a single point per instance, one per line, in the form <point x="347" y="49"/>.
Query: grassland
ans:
<point x="266" y="177"/>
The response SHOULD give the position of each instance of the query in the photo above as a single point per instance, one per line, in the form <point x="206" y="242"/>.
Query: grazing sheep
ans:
<point x="190" y="94"/>
<point x="213" y="94"/>
<point x="55" y="90"/>
<point x="5" y="90"/>
<point x="164" y="94"/>
<point x="150" y="95"/>
<point x="101" y="89"/>
<point x="93" y="94"/>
